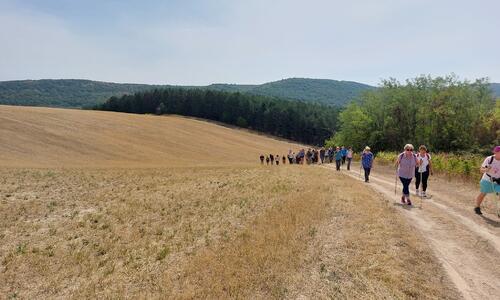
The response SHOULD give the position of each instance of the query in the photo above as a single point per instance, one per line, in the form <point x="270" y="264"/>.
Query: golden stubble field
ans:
<point x="208" y="225"/>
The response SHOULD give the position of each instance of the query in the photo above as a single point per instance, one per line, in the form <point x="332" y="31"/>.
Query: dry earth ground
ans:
<point x="108" y="205"/>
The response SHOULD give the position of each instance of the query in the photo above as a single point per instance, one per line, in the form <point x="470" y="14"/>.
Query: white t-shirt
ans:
<point x="495" y="168"/>
<point x="425" y="162"/>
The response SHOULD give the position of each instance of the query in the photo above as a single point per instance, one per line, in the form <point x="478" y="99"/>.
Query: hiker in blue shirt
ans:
<point x="344" y="154"/>
<point x="338" y="158"/>
<point x="367" y="162"/>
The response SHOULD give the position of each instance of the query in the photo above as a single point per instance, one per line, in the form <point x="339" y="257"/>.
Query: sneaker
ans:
<point x="403" y="201"/>
<point x="477" y="210"/>
<point x="417" y="192"/>
<point x="408" y="201"/>
<point x="424" y="194"/>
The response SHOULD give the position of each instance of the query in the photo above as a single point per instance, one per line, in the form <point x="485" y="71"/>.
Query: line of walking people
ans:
<point x="341" y="155"/>
<point x="409" y="164"/>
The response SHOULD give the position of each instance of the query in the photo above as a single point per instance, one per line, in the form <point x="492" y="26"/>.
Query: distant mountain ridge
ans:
<point x="495" y="87"/>
<point x="81" y="93"/>
<point x="85" y="93"/>
<point x="63" y="92"/>
<point x="326" y="91"/>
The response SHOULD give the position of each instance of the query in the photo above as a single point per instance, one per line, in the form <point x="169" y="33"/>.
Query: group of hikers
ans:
<point x="422" y="164"/>
<point x="409" y="164"/>
<point x="341" y="155"/>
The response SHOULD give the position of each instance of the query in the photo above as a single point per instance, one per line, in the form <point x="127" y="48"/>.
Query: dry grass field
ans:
<point x="107" y="205"/>
<point x="48" y="137"/>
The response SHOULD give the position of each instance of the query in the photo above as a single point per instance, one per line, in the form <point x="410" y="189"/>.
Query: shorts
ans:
<point x="488" y="187"/>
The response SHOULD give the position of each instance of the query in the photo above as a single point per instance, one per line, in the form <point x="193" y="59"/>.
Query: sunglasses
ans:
<point x="408" y="149"/>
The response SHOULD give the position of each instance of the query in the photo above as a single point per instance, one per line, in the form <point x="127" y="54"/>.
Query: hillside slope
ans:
<point x="77" y="93"/>
<point x="63" y="92"/>
<point x="321" y="90"/>
<point x="49" y="137"/>
<point x="141" y="206"/>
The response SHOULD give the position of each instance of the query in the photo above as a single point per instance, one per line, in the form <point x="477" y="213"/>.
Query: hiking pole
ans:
<point x="498" y="207"/>
<point x="396" y="182"/>
<point x="421" y="193"/>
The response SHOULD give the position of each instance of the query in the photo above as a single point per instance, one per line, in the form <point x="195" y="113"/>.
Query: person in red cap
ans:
<point x="490" y="182"/>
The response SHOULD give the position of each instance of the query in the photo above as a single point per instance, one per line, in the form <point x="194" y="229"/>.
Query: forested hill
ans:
<point x="84" y="93"/>
<point x="326" y="91"/>
<point x="308" y="123"/>
<point x="63" y="92"/>
<point x="80" y="93"/>
<point x="322" y="90"/>
<point x="495" y="87"/>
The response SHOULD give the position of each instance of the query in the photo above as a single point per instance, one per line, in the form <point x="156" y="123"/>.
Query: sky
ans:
<point x="248" y="41"/>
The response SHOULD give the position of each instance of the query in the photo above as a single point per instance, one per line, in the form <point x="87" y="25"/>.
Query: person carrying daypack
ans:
<point x="267" y="160"/>
<point x="490" y="181"/>
<point x="367" y="162"/>
<point x="406" y="163"/>
<point x="272" y="159"/>
<point x="423" y="171"/>
<point x="283" y="158"/>
<point x="277" y="157"/>
<point x="262" y="159"/>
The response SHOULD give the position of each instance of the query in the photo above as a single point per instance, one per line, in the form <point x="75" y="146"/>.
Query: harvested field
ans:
<point x="224" y="226"/>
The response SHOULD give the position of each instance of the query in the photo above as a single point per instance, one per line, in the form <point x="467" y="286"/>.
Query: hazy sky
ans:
<point x="237" y="41"/>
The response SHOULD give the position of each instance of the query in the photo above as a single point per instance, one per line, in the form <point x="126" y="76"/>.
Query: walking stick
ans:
<point x="421" y="193"/>
<point x="396" y="182"/>
<point x="498" y="208"/>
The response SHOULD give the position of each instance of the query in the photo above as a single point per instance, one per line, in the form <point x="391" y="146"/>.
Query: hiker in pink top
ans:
<point x="406" y="164"/>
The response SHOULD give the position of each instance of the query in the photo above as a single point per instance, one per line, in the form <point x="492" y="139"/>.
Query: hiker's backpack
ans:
<point x="414" y="156"/>
<point x="491" y="160"/>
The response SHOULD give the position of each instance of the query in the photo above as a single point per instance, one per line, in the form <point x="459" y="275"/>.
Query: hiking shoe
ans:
<point x="403" y="201"/>
<point x="477" y="210"/>
<point x="408" y="201"/>
<point x="424" y="194"/>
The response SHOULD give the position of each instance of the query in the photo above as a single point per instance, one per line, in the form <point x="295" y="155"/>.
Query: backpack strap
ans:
<point x="491" y="159"/>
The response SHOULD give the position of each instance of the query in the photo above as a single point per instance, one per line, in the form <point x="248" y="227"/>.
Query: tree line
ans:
<point x="308" y="123"/>
<point x="444" y="113"/>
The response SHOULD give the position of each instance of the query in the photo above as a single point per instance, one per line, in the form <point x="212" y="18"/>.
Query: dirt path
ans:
<point x="467" y="245"/>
